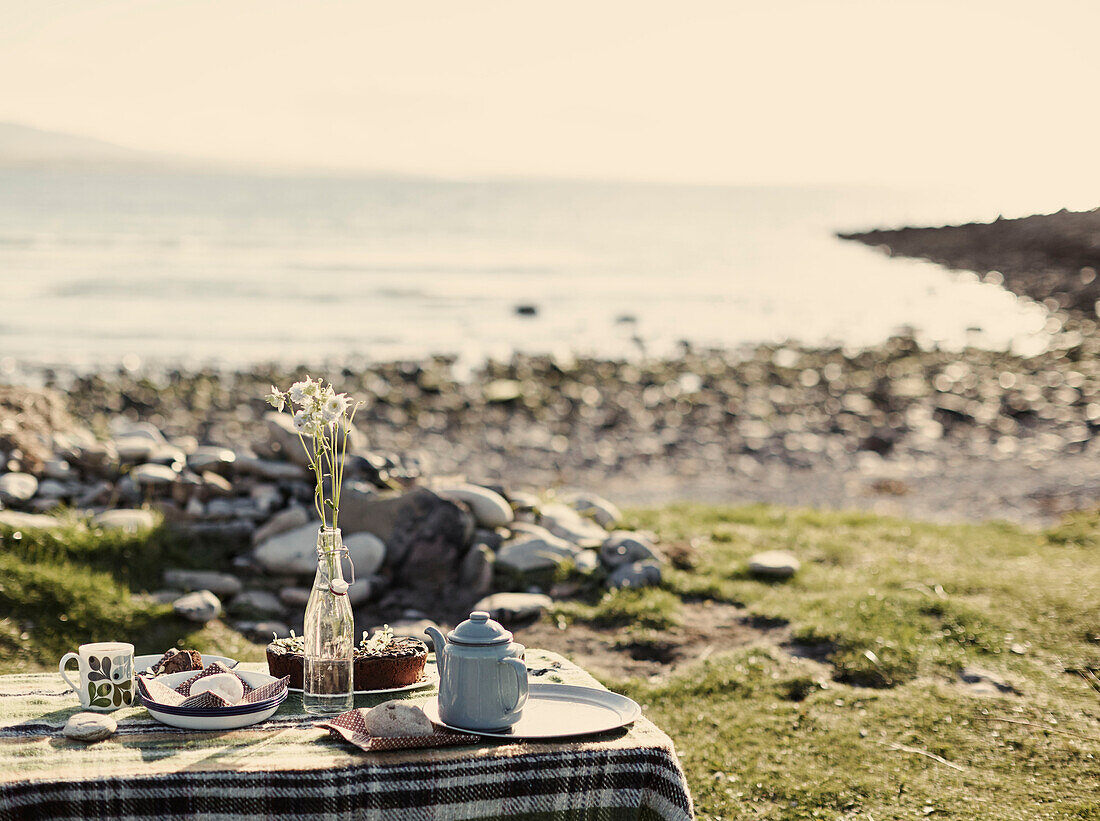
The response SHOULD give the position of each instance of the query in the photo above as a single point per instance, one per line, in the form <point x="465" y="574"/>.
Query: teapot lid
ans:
<point x="479" y="629"/>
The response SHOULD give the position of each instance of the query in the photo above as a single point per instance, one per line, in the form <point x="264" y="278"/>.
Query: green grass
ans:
<point x="81" y="583"/>
<point x="894" y="609"/>
<point x="890" y="610"/>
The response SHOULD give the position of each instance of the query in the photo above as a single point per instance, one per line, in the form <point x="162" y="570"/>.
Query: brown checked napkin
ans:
<point x="158" y="693"/>
<point x="350" y="727"/>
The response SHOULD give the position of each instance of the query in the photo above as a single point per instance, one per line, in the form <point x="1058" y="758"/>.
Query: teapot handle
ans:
<point x="520" y="669"/>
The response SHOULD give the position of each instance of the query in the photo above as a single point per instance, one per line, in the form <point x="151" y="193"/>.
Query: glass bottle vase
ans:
<point x="329" y="633"/>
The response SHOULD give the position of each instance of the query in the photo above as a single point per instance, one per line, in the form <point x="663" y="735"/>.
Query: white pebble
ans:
<point x="89" y="727"/>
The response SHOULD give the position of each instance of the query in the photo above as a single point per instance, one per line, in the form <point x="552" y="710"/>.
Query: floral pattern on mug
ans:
<point x="115" y="686"/>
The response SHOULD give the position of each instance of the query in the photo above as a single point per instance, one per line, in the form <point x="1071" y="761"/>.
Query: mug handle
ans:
<point x="65" y="659"/>
<point x="520" y="669"/>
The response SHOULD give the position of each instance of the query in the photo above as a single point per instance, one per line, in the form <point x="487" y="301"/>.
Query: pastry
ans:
<point x="176" y="661"/>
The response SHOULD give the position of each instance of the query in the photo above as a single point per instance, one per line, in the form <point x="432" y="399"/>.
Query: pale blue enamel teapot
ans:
<point x="482" y="677"/>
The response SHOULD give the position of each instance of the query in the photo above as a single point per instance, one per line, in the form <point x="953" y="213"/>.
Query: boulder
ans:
<point x="130" y="521"/>
<point x="627" y="547"/>
<point x="530" y="554"/>
<point x="220" y="584"/>
<point x="89" y="727"/>
<point x="586" y="562"/>
<point x="294" y="552"/>
<point x="200" y="607"/>
<point x="28" y="521"/>
<point x="774" y="564"/>
<point x="17" y="488"/>
<point x="152" y="474"/>
<point x="281" y="522"/>
<point x="367" y="551"/>
<point x="270" y="469"/>
<point x="294" y="597"/>
<point x="636" y="574"/>
<point x="476" y="573"/>
<point x="566" y="523"/>
<point x="509" y="608"/>
<point x="597" y="508"/>
<point x="256" y="603"/>
<point x="57" y="469"/>
<point x="490" y="509"/>
<point x="211" y="458"/>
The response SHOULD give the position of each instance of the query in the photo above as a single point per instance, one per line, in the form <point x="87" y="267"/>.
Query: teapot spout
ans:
<point x="439" y="642"/>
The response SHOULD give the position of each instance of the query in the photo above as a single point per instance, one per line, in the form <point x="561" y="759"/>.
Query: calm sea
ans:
<point x="97" y="268"/>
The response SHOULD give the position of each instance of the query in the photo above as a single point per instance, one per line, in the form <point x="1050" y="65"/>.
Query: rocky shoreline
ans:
<point x="1050" y="258"/>
<point x="932" y="433"/>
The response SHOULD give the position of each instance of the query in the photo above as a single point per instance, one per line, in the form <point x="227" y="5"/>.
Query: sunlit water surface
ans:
<point x="98" y="268"/>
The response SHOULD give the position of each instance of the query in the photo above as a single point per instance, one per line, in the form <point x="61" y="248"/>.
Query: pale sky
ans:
<point x="740" y="92"/>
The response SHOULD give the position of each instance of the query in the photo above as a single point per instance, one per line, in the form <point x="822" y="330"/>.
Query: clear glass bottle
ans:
<point x="329" y="632"/>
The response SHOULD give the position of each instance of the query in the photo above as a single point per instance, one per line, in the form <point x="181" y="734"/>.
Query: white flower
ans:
<point x="297" y="392"/>
<point x="334" y="406"/>
<point x="303" y="423"/>
<point x="276" y="398"/>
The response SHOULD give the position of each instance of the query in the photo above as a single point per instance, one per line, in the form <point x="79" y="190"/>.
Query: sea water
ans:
<point x="98" y="268"/>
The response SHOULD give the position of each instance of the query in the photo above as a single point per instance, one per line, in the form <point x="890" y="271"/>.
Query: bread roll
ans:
<point x="396" y="719"/>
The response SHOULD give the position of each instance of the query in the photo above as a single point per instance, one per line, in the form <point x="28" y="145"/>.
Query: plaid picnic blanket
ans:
<point x="287" y="766"/>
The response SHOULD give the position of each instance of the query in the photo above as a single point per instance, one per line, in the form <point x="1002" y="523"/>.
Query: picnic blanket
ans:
<point x="288" y="766"/>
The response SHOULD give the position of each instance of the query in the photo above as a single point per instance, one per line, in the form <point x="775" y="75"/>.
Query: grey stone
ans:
<point x="566" y="523"/>
<point x="529" y="530"/>
<point x="294" y="552"/>
<point x="89" y="727"/>
<point x="627" y="547"/>
<point x="509" y="608"/>
<point x="134" y="449"/>
<point x="267" y="497"/>
<point x="16" y="488"/>
<point x="262" y="631"/>
<point x="123" y="427"/>
<point x="201" y="606"/>
<point x="28" y="521"/>
<point x="360" y="590"/>
<point x="774" y="564"/>
<point x="281" y="522"/>
<point x="535" y="554"/>
<point x="586" y="562"/>
<point x="127" y="490"/>
<point x="636" y="574"/>
<point x="986" y="683"/>
<point x="220" y="584"/>
<point x="270" y="469"/>
<point x="256" y="603"/>
<point x="367" y="551"/>
<point x="95" y="456"/>
<point x="597" y="508"/>
<point x="294" y="596"/>
<point x="57" y="469"/>
<point x="490" y="509"/>
<point x="53" y="489"/>
<point x="96" y="494"/>
<point x="490" y="538"/>
<point x="522" y="501"/>
<point x="165" y="596"/>
<point x="476" y="571"/>
<point x="130" y="521"/>
<point x="214" y="484"/>
<point x="151" y="474"/>
<point x="210" y="458"/>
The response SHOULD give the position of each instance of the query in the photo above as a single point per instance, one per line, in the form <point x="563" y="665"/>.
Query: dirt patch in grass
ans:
<point x="705" y="628"/>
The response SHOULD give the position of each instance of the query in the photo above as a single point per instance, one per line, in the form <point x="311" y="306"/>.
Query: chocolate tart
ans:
<point x="397" y="662"/>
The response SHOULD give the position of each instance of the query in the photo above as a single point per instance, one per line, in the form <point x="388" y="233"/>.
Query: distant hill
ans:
<point x="22" y="145"/>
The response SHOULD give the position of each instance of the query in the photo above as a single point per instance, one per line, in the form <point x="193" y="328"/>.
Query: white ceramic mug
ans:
<point x="106" y="675"/>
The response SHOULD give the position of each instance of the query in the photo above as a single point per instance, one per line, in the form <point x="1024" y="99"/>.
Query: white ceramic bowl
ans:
<point x="216" y="719"/>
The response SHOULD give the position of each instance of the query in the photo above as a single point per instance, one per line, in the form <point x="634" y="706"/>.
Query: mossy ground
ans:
<point x="838" y="722"/>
